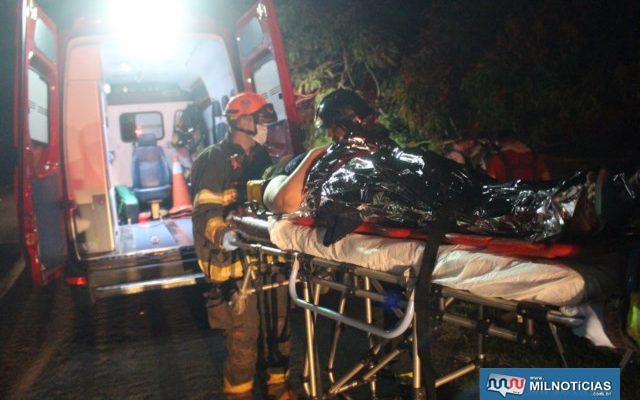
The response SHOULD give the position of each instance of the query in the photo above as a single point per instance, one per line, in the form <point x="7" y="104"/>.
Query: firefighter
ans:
<point x="515" y="160"/>
<point x="219" y="179"/>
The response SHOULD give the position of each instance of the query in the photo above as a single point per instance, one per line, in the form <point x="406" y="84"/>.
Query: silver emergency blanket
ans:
<point x="368" y="178"/>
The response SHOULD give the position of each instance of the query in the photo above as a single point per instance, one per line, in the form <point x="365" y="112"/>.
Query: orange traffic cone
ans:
<point x="181" y="198"/>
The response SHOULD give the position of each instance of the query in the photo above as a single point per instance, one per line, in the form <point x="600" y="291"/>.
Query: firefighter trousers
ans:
<point x="254" y="326"/>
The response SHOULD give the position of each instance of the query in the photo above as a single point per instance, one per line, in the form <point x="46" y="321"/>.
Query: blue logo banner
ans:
<point x="549" y="383"/>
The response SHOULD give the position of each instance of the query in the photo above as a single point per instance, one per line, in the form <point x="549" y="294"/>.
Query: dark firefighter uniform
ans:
<point x="219" y="177"/>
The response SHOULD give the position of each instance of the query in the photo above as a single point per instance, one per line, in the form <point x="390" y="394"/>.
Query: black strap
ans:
<point x="247" y="131"/>
<point x="424" y="323"/>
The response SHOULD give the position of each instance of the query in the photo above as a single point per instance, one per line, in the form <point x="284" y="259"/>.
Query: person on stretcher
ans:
<point x="364" y="176"/>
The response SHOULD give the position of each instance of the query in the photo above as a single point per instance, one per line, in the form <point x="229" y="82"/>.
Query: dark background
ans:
<point x="564" y="75"/>
<point x="7" y="55"/>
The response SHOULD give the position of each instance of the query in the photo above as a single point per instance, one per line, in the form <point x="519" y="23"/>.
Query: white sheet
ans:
<point x="458" y="267"/>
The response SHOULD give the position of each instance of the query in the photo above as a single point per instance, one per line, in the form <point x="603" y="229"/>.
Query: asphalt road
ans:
<point x="158" y="345"/>
<point x="154" y="345"/>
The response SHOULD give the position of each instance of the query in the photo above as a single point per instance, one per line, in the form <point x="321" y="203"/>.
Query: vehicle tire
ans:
<point x="83" y="298"/>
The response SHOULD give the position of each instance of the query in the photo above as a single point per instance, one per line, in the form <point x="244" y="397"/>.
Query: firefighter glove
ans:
<point x="229" y="241"/>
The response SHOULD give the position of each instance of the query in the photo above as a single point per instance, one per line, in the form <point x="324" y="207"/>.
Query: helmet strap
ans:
<point x="234" y="127"/>
<point x="247" y="131"/>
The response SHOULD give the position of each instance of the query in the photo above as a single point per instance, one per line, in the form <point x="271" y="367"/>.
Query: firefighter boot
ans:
<point x="238" y="396"/>
<point x="281" y="391"/>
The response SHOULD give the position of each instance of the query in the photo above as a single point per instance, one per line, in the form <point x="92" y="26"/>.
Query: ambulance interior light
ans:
<point x="147" y="29"/>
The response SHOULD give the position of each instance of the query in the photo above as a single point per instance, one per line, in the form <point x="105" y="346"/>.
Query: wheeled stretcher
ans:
<point x="382" y="271"/>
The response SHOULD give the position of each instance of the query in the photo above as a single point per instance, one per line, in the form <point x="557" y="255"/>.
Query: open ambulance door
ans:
<point x="36" y="133"/>
<point x="264" y="70"/>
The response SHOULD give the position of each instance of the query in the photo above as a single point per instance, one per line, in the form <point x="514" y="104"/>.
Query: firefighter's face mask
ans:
<point x="261" y="118"/>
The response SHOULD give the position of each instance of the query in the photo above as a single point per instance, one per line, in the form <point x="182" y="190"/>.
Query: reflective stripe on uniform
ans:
<point x="221" y="273"/>
<point x="237" y="389"/>
<point x="206" y="196"/>
<point x="277" y="378"/>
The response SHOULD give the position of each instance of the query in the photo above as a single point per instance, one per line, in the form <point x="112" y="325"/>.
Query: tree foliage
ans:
<point x="345" y="44"/>
<point x="453" y="36"/>
<point x="555" y="78"/>
<point x="562" y="74"/>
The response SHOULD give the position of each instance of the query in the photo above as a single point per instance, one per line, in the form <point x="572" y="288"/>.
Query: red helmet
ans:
<point x="248" y="103"/>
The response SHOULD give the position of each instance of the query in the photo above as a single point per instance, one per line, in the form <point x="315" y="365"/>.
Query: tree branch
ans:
<point x="375" y="80"/>
<point x="302" y="98"/>
<point x="346" y="70"/>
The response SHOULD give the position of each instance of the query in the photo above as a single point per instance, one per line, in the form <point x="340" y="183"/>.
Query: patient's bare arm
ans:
<point x="284" y="193"/>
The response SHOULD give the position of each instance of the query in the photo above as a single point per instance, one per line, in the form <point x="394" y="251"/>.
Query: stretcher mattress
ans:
<point x="552" y="282"/>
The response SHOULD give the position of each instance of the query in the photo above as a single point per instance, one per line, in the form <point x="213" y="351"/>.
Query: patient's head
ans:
<point x="342" y="111"/>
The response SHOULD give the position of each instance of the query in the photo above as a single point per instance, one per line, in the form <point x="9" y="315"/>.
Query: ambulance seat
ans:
<point x="150" y="170"/>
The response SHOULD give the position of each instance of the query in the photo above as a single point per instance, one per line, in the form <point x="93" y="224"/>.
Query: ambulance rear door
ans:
<point x="36" y="132"/>
<point x="264" y="70"/>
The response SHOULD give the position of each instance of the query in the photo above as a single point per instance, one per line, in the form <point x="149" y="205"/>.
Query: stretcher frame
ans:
<point x="314" y="274"/>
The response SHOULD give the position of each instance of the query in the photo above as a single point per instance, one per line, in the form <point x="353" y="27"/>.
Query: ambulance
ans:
<point x="99" y="100"/>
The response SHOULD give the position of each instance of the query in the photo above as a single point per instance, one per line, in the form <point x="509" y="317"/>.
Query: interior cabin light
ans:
<point x="147" y="29"/>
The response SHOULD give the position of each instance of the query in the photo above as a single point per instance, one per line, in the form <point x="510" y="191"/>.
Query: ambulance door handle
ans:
<point x="111" y="156"/>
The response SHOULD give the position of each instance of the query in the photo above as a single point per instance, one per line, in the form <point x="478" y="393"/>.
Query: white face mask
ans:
<point x="261" y="134"/>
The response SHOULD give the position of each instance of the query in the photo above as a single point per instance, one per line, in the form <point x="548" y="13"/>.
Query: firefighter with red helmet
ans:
<point x="219" y="177"/>
<point x="516" y="160"/>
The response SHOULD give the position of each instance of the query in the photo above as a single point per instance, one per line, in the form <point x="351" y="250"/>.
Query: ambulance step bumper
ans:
<point x="142" y="286"/>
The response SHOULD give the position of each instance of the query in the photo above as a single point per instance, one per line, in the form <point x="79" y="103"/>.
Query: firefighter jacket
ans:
<point x="515" y="160"/>
<point x="219" y="178"/>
